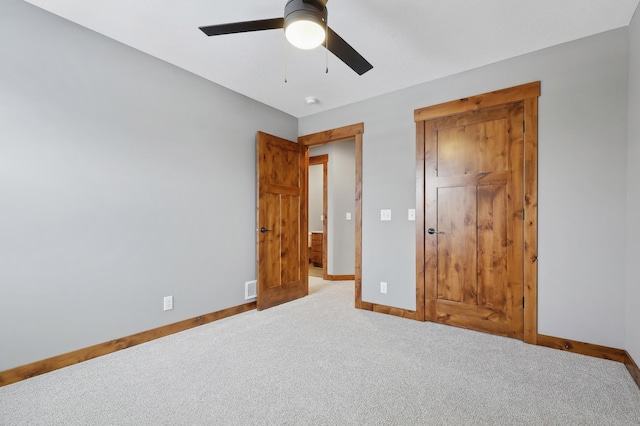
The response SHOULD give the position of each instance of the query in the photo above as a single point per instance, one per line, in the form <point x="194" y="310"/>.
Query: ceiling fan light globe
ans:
<point x="305" y="34"/>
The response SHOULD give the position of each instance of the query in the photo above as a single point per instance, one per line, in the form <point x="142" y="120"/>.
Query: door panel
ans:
<point x="492" y="246"/>
<point x="475" y="147"/>
<point x="281" y="224"/>
<point x="456" y="240"/>
<point x="290" y="239"/>
<point x="474" y="200"/>
<point x="269" y="266"/>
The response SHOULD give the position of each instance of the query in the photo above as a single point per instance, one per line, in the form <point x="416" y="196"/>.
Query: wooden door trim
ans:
<point x="528" y="94"/>
<point x="332" y="135"/>
<point x="485" y="100"/>
<point x="531" y="219"/>
<point x="354" y="131"/>
<point x="319" y="159"/>
<point x="420" y="222"/>
<point x="324" y="161"/>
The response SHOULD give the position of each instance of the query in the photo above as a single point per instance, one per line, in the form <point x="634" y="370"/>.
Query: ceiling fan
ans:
<point x="305" y="26"/>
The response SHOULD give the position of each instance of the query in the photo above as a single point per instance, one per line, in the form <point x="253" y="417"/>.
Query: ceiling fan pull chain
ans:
<point x="326" y="59"/>
<point x="326" y="49"/>
<point x="286" y="63"/>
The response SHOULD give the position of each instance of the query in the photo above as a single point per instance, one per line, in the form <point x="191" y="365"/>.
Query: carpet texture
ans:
<point x="319" y="361"/>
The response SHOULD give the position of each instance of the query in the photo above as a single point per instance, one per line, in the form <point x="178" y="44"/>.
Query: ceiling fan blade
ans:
<point x="243" y="27"/>
<point x="346" y="53"/>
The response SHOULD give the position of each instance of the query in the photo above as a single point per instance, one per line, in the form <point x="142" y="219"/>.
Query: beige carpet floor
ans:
<point x="319" y="361"/>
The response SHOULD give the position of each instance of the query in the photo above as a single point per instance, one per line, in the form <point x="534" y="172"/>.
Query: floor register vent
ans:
<point x="250" y="290"/>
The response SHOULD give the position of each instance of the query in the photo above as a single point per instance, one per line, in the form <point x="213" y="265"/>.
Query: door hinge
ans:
<point x="523" y="302"/>
<point x="524" y="126"/>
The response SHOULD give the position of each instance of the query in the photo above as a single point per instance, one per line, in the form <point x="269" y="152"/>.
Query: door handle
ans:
<point x="432" y="231"/>
<point x="263" y="230"/>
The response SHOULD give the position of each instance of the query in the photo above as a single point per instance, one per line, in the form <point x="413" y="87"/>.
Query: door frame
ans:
<point x="528" y="94"/>
<point x="354" y="131"/>
<point x="324" y="161"/>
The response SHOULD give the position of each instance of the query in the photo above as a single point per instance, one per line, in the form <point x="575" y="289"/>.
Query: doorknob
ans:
<point x="433" y="231"/>
<point x="263" y="229"/>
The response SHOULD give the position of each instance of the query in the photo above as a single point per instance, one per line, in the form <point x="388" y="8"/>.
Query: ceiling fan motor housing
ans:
<point x="296" y="10"/>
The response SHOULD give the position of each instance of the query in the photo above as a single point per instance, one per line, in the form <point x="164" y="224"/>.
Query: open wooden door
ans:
<point x="281" y="221"/>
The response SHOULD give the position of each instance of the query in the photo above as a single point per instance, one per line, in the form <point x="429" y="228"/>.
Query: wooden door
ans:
<point x="474" y="244"/>
<point x="281" y="221"/>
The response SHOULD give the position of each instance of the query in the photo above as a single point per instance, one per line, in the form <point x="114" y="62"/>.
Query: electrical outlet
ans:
<point x="168" y="303"/>
<point x="383" y="287"/>
<point x="385" y="215"/>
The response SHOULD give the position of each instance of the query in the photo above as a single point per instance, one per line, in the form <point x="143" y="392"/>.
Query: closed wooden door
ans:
<point x="281" y="221"/>
<point x="474" y="244"/>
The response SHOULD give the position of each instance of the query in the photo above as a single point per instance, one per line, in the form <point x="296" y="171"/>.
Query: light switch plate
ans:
<point x="412" y="214"/>
<point x="168" y="303"/>
<point x="348" y="216"/>
<point x="385" y="215"/>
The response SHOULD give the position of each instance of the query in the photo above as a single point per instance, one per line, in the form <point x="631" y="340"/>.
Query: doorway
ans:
<point x="317" y="200"/>
<point x="355" y="133"/>
<point x="331" y="210"/>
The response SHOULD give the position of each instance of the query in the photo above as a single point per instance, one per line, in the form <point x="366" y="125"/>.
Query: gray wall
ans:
<point x="316" y="177"/>
<point x="123" y="179"/>
<point x="633" y="232"/>
<point x="341" y="188"/>
<point x="582" y="184"/>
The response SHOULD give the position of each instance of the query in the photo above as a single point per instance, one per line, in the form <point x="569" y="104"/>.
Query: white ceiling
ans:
<point x="408" y="42"/>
